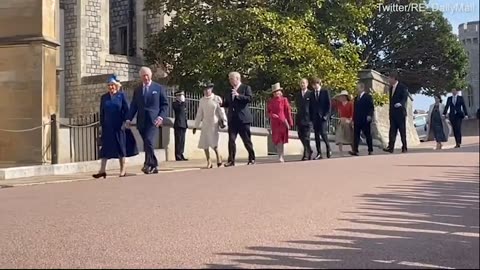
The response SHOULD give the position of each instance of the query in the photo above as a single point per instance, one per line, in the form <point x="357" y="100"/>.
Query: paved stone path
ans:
<point x="416" y="210"/>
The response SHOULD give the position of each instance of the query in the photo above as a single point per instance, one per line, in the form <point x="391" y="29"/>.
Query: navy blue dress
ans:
<point x="115" y="142"/>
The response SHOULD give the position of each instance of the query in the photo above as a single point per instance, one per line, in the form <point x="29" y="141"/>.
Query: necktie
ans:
<point x="316" y="94"/>
<point x="454" y="100"/>
<point x="145" y="89"/>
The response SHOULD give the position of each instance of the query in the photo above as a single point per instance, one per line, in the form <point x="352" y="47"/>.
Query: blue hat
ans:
<point x="113" y="79"/>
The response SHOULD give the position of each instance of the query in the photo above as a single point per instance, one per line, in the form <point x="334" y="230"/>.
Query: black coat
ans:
<point x="180" y="111"/>
<point x="302" y="104"/>
<point x="457" y="110"/>
<point x="400" y="96"/>
<point x="362" y="107"/>
<point x="237" y="108"/>
<point x="320" y="108"/>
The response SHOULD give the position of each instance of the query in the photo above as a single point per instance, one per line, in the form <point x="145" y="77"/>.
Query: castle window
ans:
<point x="475" y="40"/>
<point x="122" y="40"/>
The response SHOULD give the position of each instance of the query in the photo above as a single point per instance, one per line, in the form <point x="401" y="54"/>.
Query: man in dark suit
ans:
<point x="239" y="118"/>
<point x="150" y="104"/>
<point x="180" y="125"/>
<point x="320" y="106"/>
<point x="398" y="112"/>
<point x="302" y="118"/>
<point x="362" y="118"/>
<point x="458" y="111"/>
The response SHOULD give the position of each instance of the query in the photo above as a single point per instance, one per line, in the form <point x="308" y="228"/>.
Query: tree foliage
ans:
<point x="420" y="45"/>
<point x="267" y="41"/>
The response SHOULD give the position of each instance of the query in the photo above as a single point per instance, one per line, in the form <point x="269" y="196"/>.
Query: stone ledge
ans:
<point x="72" y="168"/>
<point x="118" y="58"/>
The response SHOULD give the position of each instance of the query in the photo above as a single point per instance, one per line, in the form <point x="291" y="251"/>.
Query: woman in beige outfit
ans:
<point x="211" y="117"/>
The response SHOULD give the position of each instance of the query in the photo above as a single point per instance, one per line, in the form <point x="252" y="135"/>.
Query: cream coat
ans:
<point x="208" y="113"/>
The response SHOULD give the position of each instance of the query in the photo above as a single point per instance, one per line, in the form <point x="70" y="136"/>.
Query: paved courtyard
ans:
<point x="416" y="210"/>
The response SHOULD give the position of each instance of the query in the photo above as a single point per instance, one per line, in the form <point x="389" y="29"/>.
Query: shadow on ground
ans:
<point x="428" y="223"/>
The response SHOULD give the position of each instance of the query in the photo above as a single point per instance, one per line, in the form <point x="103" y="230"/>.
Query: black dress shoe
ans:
<point x="229" y="164"/>
<point x="387" y="149"/>
<point x="153" y="170"/>
<point x="370" y="153"/>
<point x="329" y="154"/>
<point x="457" y="146"/>
<point x="318" y="157"/>
<point x="99" y="175"/>
<point x="251" y="162"/>
<point x="184" y="159"/>
<point x="404" y="150"/>
<point x="353" y="153"/>
<point x="145" y="169"/>
<point x="304" y="158"/>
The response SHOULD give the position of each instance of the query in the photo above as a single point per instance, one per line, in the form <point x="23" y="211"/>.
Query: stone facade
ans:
<point x="469" y="36"/>
<point x="28" y="79"/>
<point x="90" y="34"/>
<point x="377" y="82"/>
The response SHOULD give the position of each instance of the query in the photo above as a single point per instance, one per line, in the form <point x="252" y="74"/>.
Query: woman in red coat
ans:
<point x="280" y="114"/>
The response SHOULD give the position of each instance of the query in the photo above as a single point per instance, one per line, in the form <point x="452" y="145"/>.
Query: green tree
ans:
<point x="420" y="45"/>
<point x="267" y="41"/>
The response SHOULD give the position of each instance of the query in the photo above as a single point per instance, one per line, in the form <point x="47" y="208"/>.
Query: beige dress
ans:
<point x="208" y="113"/>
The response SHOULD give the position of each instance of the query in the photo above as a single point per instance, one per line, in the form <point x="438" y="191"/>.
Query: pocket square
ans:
<point x="154" y="92"/>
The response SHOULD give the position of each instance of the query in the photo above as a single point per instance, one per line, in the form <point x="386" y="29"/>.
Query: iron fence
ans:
<point x="84" y="130"/>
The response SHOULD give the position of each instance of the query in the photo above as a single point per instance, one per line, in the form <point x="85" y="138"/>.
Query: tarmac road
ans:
<point x="416" y="210"/>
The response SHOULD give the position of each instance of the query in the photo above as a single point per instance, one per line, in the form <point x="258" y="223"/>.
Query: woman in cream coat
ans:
<point x="212" y="117"/>
<point x="438" y="127"/>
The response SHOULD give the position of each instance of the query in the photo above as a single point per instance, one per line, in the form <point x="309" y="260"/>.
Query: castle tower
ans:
<point x="468" y="35"/>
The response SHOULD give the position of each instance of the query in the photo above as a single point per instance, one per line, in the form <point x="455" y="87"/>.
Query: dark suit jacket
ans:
<point x="400" y="96"/>
<point x="320" y="108"/>
<point x="237" y="108"/>
<point x="302" y="103"/>
<point x="148" y="108"/>
<point x="458" y="110"/>
<point x="362" y="107"/>
<point x="180" y="110"/>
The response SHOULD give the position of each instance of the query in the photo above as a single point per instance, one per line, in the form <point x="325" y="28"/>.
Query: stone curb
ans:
<point x="71" y="168"/>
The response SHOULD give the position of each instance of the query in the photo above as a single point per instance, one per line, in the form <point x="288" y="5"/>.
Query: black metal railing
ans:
<point x="84" y="130"/>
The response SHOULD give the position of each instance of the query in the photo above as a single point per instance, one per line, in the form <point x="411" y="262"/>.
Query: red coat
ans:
<point x="281" y="107"/>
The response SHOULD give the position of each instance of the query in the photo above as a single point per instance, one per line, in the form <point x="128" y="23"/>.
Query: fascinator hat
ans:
<point x="113" y="80"/>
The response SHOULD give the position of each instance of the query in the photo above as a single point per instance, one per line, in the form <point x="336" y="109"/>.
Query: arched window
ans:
<point x="469" y="96"/>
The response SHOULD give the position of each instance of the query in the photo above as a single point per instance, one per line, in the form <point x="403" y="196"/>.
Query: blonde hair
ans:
<point x="234" y="74"/>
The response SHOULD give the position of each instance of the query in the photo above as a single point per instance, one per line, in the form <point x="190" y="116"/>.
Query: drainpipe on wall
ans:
<point x="131" y="14"/>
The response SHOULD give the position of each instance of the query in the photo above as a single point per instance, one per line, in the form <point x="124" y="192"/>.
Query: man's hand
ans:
<point x="397" y="105"/>
<point x="128" y="124"/>
<point x="369" y="118"/>
<point x="466" y="117"/>
<point x="158" y="121"/>
<point x="194" y="131"/>
<point x="235" y="93"/>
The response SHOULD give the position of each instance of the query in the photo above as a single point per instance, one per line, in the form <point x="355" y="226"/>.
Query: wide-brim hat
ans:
<point x="342" y="93"/>
<point x="276" y="87"/>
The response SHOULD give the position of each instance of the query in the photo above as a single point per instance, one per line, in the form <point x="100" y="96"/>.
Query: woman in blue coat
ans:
<point x="116" y="141"/>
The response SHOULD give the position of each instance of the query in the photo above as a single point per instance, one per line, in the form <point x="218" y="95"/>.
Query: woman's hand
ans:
<point x="275" y="115"/>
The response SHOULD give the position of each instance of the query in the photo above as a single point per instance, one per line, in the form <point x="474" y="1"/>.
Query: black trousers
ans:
<point x="148" y="135"/>
<point x="179" y="134"/>
<point x="397" y="124"/>
<point x="366" y="129"/>
<point x="304" y="136"/>
<point x="243" y="130"/>
<point x="320" y="128"/>
<point x="457" y="129"/>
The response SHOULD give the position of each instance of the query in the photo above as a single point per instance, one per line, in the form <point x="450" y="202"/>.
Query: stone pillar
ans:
<point x="374" y="81"/>
<point x="28" y="62"/>
<point x="141" y="27"/>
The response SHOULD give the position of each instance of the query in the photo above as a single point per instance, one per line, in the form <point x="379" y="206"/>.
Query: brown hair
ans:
<point x="393" y="75"/>
<point x="316" y="80"/>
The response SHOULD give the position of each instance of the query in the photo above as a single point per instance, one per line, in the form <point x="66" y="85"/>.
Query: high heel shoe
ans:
<point x="209" y="165"/>
<point x="123" y="175"/>
<point x="100" y="175"/>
